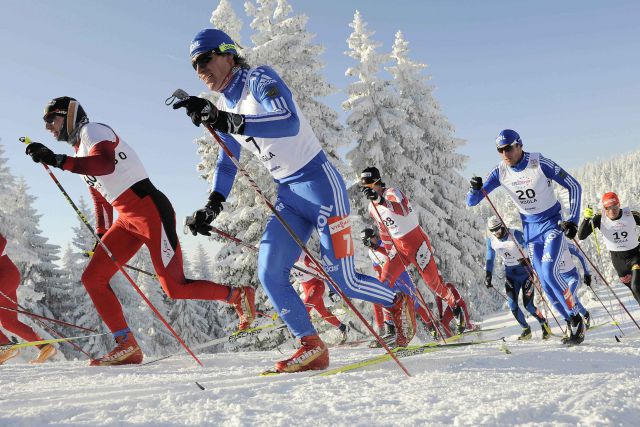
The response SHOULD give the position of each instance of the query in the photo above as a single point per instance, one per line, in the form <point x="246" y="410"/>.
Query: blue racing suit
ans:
<point x="542" y="233"/>
<point x="311" y="194"/>
<point x="518" y="277"/>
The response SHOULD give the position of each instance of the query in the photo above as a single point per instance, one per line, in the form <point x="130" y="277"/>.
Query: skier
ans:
<point x="527" y="179"/>
<point x="379" y="257"/>
<point x="399" y="228"/>
<point x="117" y="179"/>
<point x="9" y="282"/>
<point x="313" y="289"/>
<point x="618" y="225"/>
<point x="257" y="111"/>
<point x="518" y="274"/>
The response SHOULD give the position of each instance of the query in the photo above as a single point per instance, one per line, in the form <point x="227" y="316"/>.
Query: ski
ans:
<point x="51" y="341"/>
<point x="401" y="352"/>
<point x="231" y="338"/>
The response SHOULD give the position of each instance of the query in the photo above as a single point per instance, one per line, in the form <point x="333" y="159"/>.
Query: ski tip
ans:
<point x="199" y="385"/>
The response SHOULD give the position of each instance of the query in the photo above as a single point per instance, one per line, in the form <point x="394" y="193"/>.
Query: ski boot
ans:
<point x="243" y="300"/>
<point x="404" y="319"/>
<point x="8" y="354"/>
<point x="525" y="335"/>
<point x="388" y="336"/>
<point x="127" y="351"/>
<point x="47" y="351"/>
<point x="312" y="355"/>
<point x="587" y="320"/>
<point x="546" y="331"/>
<point x="460" y="319"/>
<point x="576" y="330"/>
<point x="344" y="336"/>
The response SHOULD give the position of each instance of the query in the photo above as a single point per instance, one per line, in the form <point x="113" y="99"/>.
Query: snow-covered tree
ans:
<point x="433" y="179"/>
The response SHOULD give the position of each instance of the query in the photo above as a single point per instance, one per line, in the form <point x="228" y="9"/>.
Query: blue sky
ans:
<point x="565" y="75"/>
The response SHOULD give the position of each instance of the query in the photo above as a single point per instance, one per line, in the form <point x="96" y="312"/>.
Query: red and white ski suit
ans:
<point x="9" y="281"/>
<point x="313" y="289"/>
<point x="399" y="227"/>
<point x="117" y="179"/>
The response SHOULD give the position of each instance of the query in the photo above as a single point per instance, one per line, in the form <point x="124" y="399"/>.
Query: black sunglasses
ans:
<point x="203" y="60"/>
<point x="505" y="149"/>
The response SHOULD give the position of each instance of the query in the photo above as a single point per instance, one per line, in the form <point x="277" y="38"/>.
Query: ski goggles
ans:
<point x="368" y="181"/>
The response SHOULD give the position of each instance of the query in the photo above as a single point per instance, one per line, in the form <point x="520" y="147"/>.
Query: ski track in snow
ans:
<point x="540" y="383"/>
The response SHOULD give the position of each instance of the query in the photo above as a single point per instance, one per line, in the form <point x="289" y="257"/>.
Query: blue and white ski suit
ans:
<point x="311" y="194"/>
<point x="529" y="184"/>
<point x="518" y="276"/>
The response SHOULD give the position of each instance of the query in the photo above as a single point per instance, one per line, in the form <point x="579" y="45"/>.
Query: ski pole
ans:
<point x="26" y="140"/>
<point x="181" y="94"/>
<point x="605" y="308"/>
<point x="535" y="278"/>
<point x="251" y="247"/>
<point x="89" y="254"/>
<point x="501" y="294"/>
<point x="47" y="327"/>
<point x="595" y="236"/>
<point x="405" y="263"/>
<point x="37" y="316"/>
<point x="605" y="281"/>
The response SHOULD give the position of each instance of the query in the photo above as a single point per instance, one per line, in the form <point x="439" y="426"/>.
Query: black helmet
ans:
<point x="73" y="114"/>
<point x="370" y="175"/>
<point x="366" y="235"/>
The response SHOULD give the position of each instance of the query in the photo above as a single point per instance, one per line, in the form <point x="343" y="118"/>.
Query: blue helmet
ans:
<point x="211" y="39"/>
<point x="507" y="137"/>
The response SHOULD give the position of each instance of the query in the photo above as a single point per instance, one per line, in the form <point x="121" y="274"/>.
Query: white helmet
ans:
<point x="494" y="223"/>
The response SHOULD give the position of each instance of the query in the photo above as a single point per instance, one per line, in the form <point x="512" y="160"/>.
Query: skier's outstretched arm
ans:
<point x="475" y="194"/>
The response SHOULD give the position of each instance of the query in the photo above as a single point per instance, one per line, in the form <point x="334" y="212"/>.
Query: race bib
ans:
<point x="340" y="230"/>
<point x="423" y="256"/>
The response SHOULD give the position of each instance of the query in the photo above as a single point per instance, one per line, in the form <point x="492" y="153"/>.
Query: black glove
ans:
<point x="587" y="280"/>
<point x="487" y="279"/>
<point x="569" y="228"/>
<point x="202" y="111"/>
<point x="372" y="195"/>
<point x="200" y="221"/>
<point x="333" y="296"/>
<point x="476" y="183"/>
<point x="41" y="154"/>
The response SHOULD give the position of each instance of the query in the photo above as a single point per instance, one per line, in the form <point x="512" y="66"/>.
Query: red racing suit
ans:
<point x="313" y="289"/>
<point x="117" y="179"/>
<point x="9" y="281"/>
<point x="399" y="228"/>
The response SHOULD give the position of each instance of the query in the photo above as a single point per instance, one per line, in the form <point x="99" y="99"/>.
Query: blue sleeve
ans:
<point x="225" y="172"/>
<point x="281" y="119"/>
<point x="576" y="253"/>
<point x="490" y="183"/>
<point x="491" y="256"/>
<point x="519" y="236"/>
<point x="553" y="171"/>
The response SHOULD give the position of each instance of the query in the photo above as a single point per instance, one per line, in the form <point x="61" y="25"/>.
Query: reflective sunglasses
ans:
<point x="203" y="59"/>
<point x="505" y="149"/>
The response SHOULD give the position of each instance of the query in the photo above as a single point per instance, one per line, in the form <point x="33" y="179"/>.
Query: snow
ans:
<point x="540" y="383"/>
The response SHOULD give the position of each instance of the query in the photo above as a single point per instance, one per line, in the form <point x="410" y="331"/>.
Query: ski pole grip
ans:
<point x="25" y="140"/>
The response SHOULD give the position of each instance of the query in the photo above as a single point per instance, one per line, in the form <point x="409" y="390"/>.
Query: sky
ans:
<point x="563" y="74"/>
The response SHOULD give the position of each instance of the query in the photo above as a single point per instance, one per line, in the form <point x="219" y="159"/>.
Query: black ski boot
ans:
<point x="525" y="335"/>
<point x="344" y="333"/>
<point x="389" y="336"/>
<point x="460" y="319"/>
<point x="576" y="330"/>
